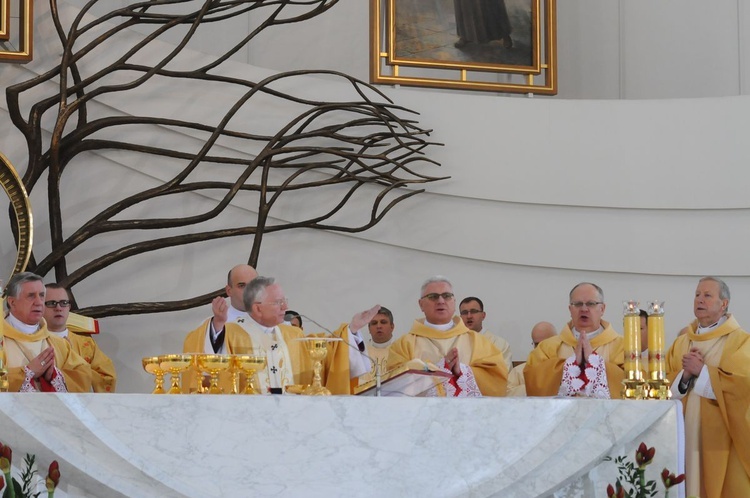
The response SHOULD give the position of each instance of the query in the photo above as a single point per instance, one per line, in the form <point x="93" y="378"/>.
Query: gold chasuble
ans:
<point x="236" y="341"/>
<point x="717" y="432"/>
<point x="103" y="376"/>
<point x="21" y="348"/>
<point x="544" y="368"/>
<point x="475" y="350"/>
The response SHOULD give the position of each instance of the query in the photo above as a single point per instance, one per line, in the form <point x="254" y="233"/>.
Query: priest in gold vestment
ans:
<point x="56" y="313"/>
<point x="288" y="362"/>
<point x="710" y="370"/>
<point x="442" y="339"/>
<point x="588" y="339"/>
<point x="37" y="361"/>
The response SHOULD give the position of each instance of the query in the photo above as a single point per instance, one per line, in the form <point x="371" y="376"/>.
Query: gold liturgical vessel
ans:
<point x="317" y="348"/>
<point x="249" y="363"/>
<point x="152" y="365"/>
<point x="214" y="364"/>
<point x="175" y="364"/>
<point x="633" y="385"/>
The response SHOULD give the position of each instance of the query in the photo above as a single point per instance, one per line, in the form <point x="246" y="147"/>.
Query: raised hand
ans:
<point x="220" y="309"/>
<point x="362" y="318"/>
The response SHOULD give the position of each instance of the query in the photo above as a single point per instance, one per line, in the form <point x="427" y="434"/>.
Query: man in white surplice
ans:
<point x="288" y="362"/>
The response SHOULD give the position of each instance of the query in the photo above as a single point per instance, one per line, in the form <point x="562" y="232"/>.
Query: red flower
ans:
<point x="644" y="455"/>
<point x="670" y="480"/>
<point x="53" y="476"/>
<point x="612" y="494"/>
<point x="6" y="457"/>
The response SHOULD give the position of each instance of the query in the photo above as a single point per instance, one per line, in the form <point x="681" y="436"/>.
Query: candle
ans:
<point x="631" y="325"/>
<point x="656" y="364"/>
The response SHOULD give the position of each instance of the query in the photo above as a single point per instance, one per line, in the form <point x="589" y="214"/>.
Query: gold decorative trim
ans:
<point x="4" y="20"/>
<point x="25" y="35"/>
<point x="16" y="192"/>
<point x="538" y="77"/>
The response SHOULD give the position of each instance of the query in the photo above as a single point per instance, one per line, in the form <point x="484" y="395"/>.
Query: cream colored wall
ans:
<point x="639" y="196"/>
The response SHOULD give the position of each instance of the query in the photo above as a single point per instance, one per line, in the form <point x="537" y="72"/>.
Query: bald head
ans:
<point x="237" y="279"/>
<point x="542" y="331"/>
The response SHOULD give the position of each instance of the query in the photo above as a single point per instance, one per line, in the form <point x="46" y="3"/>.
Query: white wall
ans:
<point x="639" y="196"/>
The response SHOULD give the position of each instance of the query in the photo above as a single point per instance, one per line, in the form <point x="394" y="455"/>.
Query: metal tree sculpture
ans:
<point x="360" y="143"/>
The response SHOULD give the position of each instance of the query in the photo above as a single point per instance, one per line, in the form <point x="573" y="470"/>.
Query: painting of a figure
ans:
<point x="482" y="21"/>
<point x="459" y="32"/>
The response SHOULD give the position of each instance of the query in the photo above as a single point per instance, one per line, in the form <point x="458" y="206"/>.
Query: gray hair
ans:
<point x="255" y="291"/>
<point x="598" y="289"/>
<point x="14" y="284"/>
<point x="13" y="289"/>
<point x="723" y="288"/>
<point x="433" y="280"/>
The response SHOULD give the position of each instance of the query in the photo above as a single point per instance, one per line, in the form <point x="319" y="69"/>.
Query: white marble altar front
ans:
<point x="139" y="445"/>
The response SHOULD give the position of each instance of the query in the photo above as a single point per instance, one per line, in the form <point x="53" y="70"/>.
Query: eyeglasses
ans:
<point x="470" y="312"/>
<point x="278" y="302"/>
<point x="434" y="296"/>
<point x="64" y="303"/>
<point x="588" y="304"/>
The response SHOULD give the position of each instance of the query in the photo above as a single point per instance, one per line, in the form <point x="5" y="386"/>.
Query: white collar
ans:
<point x="63" y="334"/>
<point x="381" y="345"/>
<point x="267" y="330"/>
<point x="590" y="335"/>
<point x="444" y="327"/>
<point x="22" y="327"/>
<point x="713" y="326"/>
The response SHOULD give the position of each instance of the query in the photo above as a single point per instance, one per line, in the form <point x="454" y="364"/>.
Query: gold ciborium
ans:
<point x="214" y="364"/>
<point x="249" y="363"/>
<point x="152" y="365"/>
<point x="317" y="348"/>
<point x="175" y="364"/>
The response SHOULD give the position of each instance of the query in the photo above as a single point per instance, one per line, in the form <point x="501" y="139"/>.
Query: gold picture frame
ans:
<point x="4" y="20"/>
<point x="437" y="43"/>
<point x="25" y="38"/>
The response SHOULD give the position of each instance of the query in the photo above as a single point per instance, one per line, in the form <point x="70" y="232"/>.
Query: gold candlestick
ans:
<point x="633" y="386"/>
<point x="657" y="382"/>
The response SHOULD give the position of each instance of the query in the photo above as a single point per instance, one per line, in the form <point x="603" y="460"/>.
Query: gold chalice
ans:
<point x="152" y="365"/>
<point x="317" y="348"/>
<point x="175" y="364"/>
<point x="214" y="364"/>
<point x="249" y="363"/>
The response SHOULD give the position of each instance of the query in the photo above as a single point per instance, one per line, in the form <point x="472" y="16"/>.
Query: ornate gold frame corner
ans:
<point x="538" y="78"/>
<point x="21" y="205"/>
<point x="25" y="51"/>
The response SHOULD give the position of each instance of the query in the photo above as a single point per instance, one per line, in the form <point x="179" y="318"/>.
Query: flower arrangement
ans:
<point x="634" y="476"/>
<point x="10" y="486"/>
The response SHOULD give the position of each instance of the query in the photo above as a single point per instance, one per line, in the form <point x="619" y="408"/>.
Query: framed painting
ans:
<point x="491" y="45"/>
<point x="16" y="45"/>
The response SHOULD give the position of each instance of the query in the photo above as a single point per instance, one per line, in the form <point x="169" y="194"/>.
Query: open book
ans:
<point x="413" y="378"/>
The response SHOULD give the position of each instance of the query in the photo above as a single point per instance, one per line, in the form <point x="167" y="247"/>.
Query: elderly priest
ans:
<point x="37" y="361"/>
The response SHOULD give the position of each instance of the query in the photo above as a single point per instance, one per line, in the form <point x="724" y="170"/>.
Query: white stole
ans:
<point x="279" y="371"/>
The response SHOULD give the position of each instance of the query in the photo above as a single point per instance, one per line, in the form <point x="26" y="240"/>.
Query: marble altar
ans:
<point x="139" y="445"/>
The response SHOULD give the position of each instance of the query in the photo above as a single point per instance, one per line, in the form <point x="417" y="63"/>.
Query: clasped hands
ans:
<point x="43" y="365"/>
<point x="692" y="364"/>
<point x="583" y="349"/>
